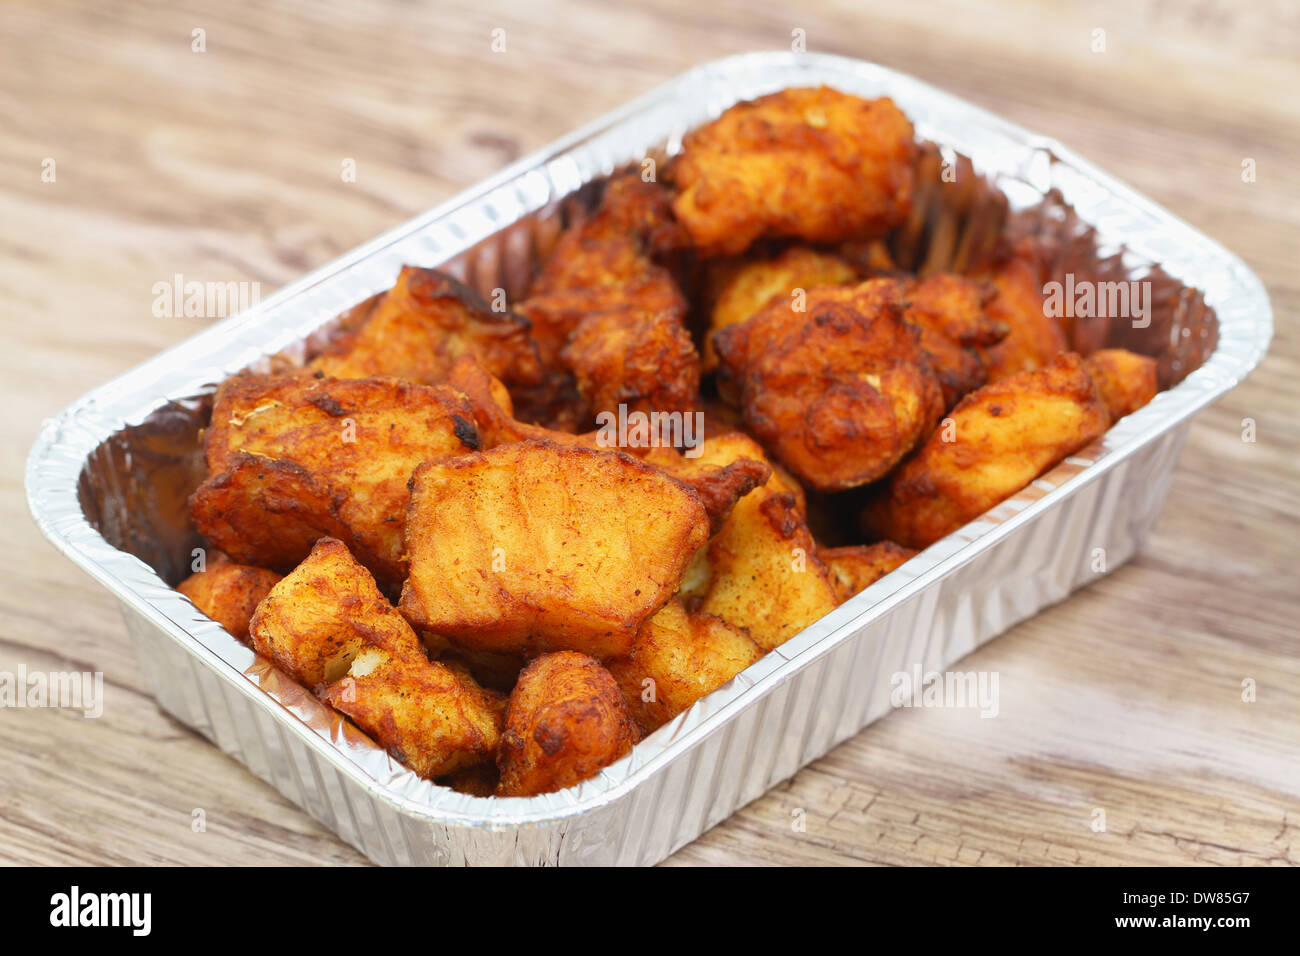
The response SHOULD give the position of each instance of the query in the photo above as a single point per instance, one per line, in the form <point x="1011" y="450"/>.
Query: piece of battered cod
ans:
<point x="949" y="313"/>
<point x="539" y="546"/>
<point x="566" y="720"/>
<point x="1125" y="380"/>
<point x="677" y="658"/>
<point x="432" y="718"/>
<point x="228" y="592"/>
<point x="316" y="620"/>
<point x="425" y="322"/>
<point x="856" y="567"/>
<point x="327" y="625"/>
<point x="1034" y="338"/>
<point x="719" y="487"/>
<point x="644" y="361"/>
<point x="746" y="288"/>
<point x="762" y="574"/>
<point x="602" y="308"/>
<point x="1003" y="436"/>
<point x="295" y="458"/>
<point x="817" y="164"/>
<point x="839" y="392"/>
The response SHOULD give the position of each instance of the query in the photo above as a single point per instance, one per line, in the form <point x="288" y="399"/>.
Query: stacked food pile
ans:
<point x="436" y="526"/>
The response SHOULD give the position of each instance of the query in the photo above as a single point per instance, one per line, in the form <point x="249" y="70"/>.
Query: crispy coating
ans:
<point x="1034" y="338"/>
<point x="858" y="566"/>
<point x="555" y="315"/>
<point x="839" y="392"/>
<point x="616" y="243"/>
<point x="269" y="512"/>
<point x="642" y="360"/>
<point x="949" y="314"/>
<point x="718" y="486"/>
<point x="492" y="407"/>
<point x="746" y="288"/>
<point x="331" y="457"/>
<point x="316" y="620"/>
<point x="611" y="248"/>
<point x="1004" y="435"/>
<point x="603" y="309"/>
<point x="422" y="325"/>
<point x="228" y="592"/>
<point x="538" y="546"/>
<point x="566" y="720"/>
<point x="1125" y="380"/>
<point x="763" y="574"/>
<point x="679" y="657"/>
<point x="813" y="163"/>
<point x="432" y="718"/>
<point x="327" y="625"/>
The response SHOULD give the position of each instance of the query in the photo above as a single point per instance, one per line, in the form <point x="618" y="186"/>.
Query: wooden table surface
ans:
<point x="225" y="165"/>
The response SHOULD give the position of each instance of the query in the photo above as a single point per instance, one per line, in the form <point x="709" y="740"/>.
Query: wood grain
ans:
<point x="225" y="166"/>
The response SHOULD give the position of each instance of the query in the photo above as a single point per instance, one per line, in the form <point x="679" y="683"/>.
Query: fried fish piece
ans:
<point x="228" y="592"/>
<point x="493" y="407"/>
<point x="269" y="512"/>
<point x="1125" y="380"/>
<point x="949" y="312"/>
<point x="856" y="567"/>
<point x="606" y="311"/>
<point x="293" y="458"/>
<point x="763" y="574"/>
<point x="431" y="717"/>
<point x="327" y="625"/>
<point x="745" y="288"/>
<point x="538" y="546"/>
<point x="316" y="620"/>
<point x="616" y="243"/>
<point x="605" y="259"/>
<point x="817" y="164"/>
<point x="556" y="315"/>
<point x="421" y="326"/>
<point x="1034" y="338"/>
<point x="839" y="392"/>
<point x="566" y="720"/>
<point x="641" y="361"/>
<point x="679" y="657"/>
<point x="1004" y="435"/>
<point x="719" y="487"/>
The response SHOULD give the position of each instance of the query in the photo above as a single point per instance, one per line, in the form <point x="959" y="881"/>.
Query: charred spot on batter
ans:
<point x="466" y="432"/>
<point x="429" y="285"/>
<point x="328" y="404"/>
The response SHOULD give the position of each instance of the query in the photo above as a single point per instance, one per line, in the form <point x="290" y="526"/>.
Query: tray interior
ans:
<point x="134" y="485"/>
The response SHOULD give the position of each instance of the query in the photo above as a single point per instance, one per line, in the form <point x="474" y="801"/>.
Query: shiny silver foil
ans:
<point x="107" y="482"/>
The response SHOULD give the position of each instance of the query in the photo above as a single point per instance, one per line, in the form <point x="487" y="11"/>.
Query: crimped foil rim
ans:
<point x="62" y="448"/>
